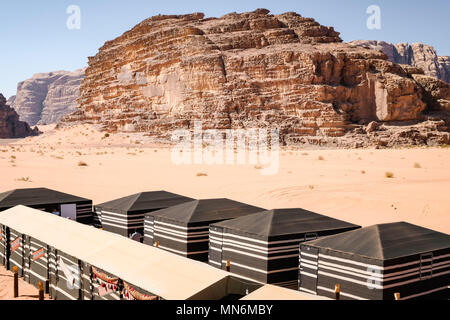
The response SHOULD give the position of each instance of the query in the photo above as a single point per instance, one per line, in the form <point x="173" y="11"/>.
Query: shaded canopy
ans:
<point x="35" y="196"/>
<point x="206" y="210"/>
<point x="386" y="241"/>
<point x="152" y="200"/>
<point x="280" y="222"/>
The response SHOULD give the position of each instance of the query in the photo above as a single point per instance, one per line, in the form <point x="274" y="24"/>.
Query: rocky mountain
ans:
<point x="253" y="70"/>
<point x="417" y="54"/>
<point x="46" y="97"/>
<point x="10" y="126"/>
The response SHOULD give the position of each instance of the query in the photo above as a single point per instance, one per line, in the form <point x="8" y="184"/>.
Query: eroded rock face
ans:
<point x="417" y="54"/>
<point x="10" y="126"/>
<point x="46" y="97"/>
<point x="244" y="70"/>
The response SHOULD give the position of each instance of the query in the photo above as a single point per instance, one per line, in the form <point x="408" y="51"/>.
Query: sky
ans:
<point x="35" y="37"/>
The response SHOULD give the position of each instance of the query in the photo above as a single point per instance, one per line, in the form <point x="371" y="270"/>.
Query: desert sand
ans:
<point x="343" y="183"/>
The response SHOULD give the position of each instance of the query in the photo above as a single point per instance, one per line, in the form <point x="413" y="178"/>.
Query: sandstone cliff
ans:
<point x="252" y="70"/>
<point x="46" y="97"/>
<point x="417" y="54"/>
<point x="10" y="126"/>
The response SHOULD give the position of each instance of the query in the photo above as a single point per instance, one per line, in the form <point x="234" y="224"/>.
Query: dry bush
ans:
<point x="321" y="158"/>
<point x="389" y="175"/>
<point x="363" y="172"/>
<point x="311" y="187"/>
<point x="24" y="179"/>
<point x="201" y="174"/>
<point x="417" y="165"/>
<point x="82" y="164"/>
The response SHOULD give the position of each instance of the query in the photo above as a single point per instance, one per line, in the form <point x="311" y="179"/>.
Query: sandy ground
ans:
<point x="26" y="290"/>
<point x="346" y="184"/>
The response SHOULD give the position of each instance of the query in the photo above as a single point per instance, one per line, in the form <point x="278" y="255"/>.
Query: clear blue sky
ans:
<point x="34" y="37"/>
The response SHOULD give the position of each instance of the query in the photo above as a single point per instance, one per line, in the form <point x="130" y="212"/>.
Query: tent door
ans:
<point x="426" y="266"/>
<point x="309" y="258"/>
<point x="215" y="254"/>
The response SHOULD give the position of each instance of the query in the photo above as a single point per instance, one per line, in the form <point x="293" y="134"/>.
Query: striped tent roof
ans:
<point x="386" y="241"/>
<point x="35" y="196"/>
<point x="280" y="222"/>
<point x="205" y="211"/>
<point x="151" y="200"/>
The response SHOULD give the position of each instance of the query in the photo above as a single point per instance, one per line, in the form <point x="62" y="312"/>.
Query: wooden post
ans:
<point x="16" y="281"/>
<point x="157" y="244"/>
<point x="337" y="291"/>
<point x="41" y="290"/>
<point x="397" y="295"/>
<point x="228" y="265"/>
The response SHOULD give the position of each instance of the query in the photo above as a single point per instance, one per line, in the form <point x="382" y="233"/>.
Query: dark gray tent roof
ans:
<point x="152" y="200"/>
<point x="206" y="210"/>
<point x="386" y="241"/>
<point x="35" y="196"/>
<point x="279" y="222"/>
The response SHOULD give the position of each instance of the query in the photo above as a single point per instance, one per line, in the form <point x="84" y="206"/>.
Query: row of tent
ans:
<point x="294" y="248"/>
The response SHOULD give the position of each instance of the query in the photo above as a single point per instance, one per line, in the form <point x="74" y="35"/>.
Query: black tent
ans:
<point x="126" y="215"/>
<point x="74" y="207"/>
<point x="378" y="261"/>
<point x="264" y="246"/>
<point x="183" y="229"/>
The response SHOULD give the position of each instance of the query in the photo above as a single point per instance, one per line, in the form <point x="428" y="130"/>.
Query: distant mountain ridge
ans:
<point x="46" y="97"/>
<point x="10" y="126"/>
<point x="417" y="55"/>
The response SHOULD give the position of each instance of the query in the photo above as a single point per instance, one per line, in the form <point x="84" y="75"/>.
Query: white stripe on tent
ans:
<point x="321" y="255"/>
<point x="259" y="257"/>
<point x="308" y="266"/>
<point x="180" y="227"/>
<point x="260" y="270"/>
<point x="259" y="248"/>
<point x="122" y="214"/>
<point x="179" y="240"/>
<point x="262" y="241"/>
<point x="307" y="290"/>
<point x="180" y="232"/>
<point x="379" y="267"/>
<point x="308" y="274"/>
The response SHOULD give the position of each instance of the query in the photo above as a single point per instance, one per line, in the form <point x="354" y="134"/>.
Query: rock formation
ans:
<point x="417" y="54"/>
<point x="10" y="126"/>
<point x="46" y="97"/>
<point x="252" y="70"/>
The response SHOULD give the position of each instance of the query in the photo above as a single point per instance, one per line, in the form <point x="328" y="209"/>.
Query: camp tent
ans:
<point x="264" y="246"/>
<point x="69" y="206"/>
<point x="378" y="261"/>
<point x="271" y="292"/>
<point x="125" y="215"/>
<point x="183" y="229"/>
<point x="82" y="262"/>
